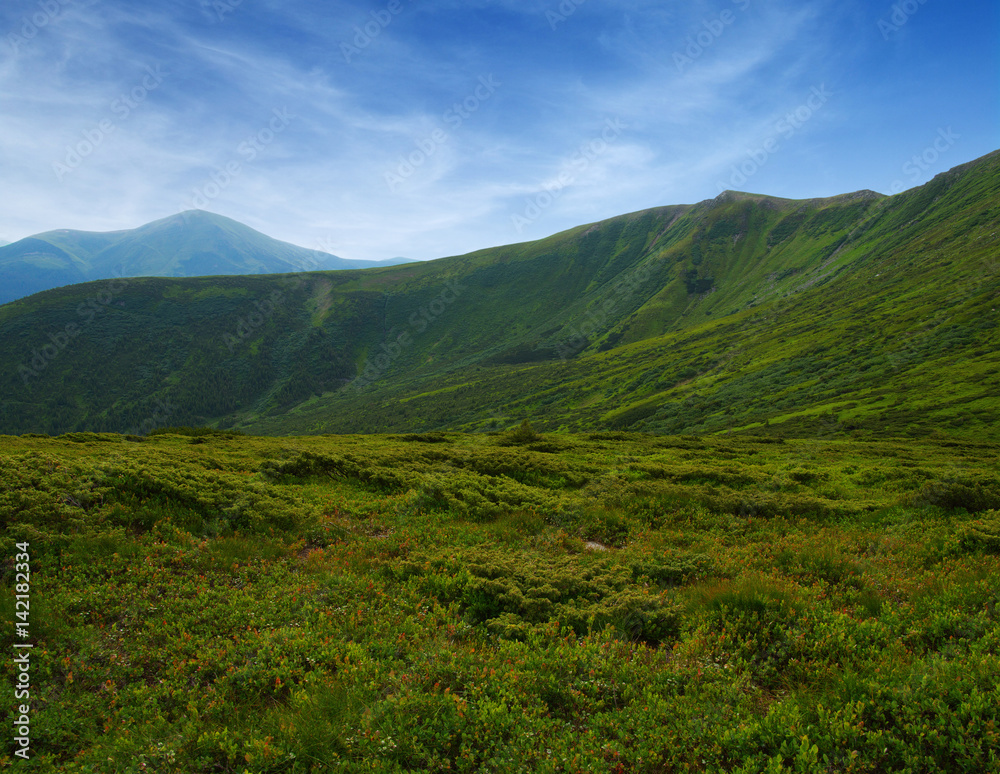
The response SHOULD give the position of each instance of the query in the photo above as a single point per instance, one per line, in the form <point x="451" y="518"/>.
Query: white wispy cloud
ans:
<point x="322" y="176"/>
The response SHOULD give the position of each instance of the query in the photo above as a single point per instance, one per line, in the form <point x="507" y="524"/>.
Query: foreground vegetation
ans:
<point x="203" y="602"/>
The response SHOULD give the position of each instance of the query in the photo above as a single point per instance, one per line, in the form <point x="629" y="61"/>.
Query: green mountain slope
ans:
<point x="858" y="312"/>
<point x="191" y="244"/>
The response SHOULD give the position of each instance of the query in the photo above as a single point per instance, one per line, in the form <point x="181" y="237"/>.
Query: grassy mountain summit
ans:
<point x="852" y="313"/>
<point x="190" y="244"/>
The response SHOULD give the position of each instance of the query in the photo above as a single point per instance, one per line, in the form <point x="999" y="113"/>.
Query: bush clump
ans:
<point x="974" y="496"/>
<point x="674" y="568"/>
<point x="512" y="594"/>
<point x="523" y="434"/>
<point x="982" y="534"/>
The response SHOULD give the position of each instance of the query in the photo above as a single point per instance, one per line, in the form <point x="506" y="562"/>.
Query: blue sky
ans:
<point x="426" y="128"/>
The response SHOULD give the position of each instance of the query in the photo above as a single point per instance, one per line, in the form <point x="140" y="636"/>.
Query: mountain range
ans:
<point x="858" y="314"/>
<point x="191" y="244"/>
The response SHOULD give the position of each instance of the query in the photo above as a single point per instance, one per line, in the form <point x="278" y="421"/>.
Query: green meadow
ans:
<point x="203" y="601"/>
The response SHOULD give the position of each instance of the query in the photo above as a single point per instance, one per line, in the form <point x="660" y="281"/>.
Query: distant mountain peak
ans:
<point x="191" y="243"/>
<point x="189" y="215"/>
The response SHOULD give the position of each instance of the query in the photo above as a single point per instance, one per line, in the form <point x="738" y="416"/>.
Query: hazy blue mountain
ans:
<point x="191" y="244"/>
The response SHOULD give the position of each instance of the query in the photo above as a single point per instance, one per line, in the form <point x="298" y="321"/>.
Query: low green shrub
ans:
<point x="673" y="568"/>
<point x="819" y="563"/>
<point x="975" y="496"/>
<point x="511" y="593"/>
<point x="519" y="436"/>
<point x="982" y="534"/>
<point x="607" y="526"/>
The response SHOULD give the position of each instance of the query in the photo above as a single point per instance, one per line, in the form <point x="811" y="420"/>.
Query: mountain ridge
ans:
<point x="854" y="313"/>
